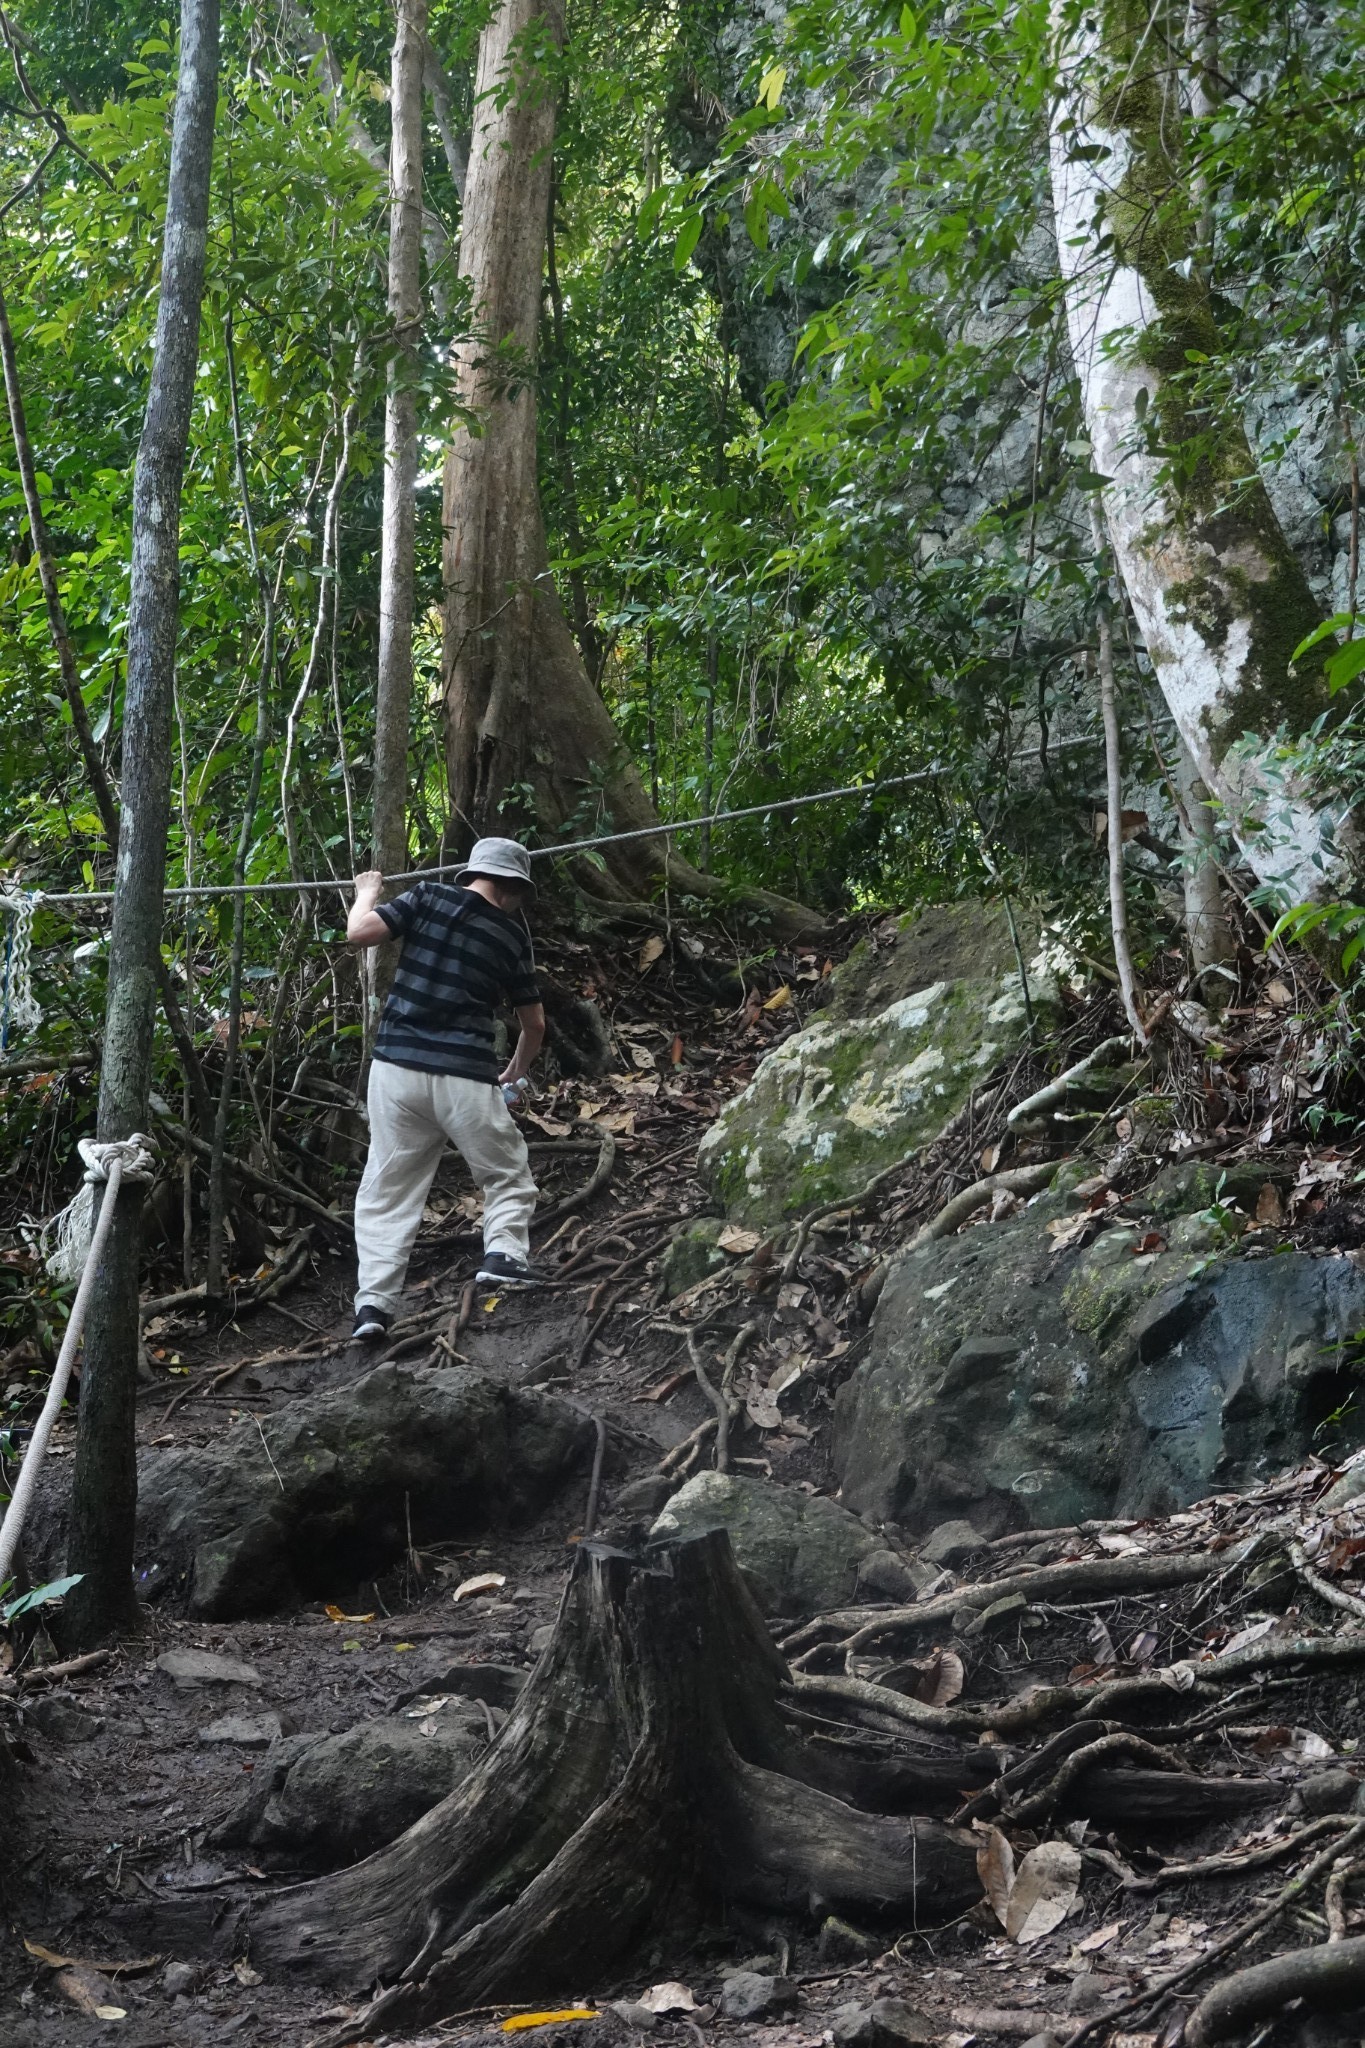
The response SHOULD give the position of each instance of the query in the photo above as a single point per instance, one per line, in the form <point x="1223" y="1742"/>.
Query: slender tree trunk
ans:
<point x="1207" y="928"/>
<point x="1113" y="763"/>
<point x="104" y="1487"/>
<point x="214" y="1274"/>
<point x="393" y="700"/>
<point x="1218" y="595"/>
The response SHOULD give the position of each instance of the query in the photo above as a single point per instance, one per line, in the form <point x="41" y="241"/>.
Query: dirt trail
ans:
<point x="123" y="1775"/>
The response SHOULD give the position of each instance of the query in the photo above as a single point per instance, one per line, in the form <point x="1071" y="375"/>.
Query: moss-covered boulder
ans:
<point x="844" y="1097"/>
<point x="966" y="941"/>
<point x="800" y="1552"/>
<point x="693" y="1254"/>
<point x="1022" y="1382"/>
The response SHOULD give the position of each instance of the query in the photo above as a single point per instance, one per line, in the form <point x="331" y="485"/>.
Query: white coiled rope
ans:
<point x="19" y="1008"/>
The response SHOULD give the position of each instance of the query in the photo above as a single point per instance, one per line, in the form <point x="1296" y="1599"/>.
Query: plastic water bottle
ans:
<point x="514" y="1093"/>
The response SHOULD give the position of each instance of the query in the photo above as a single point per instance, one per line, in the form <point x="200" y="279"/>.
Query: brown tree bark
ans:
<point x="528" y="738"/>
<point x="648" y="1774"/>
<point x="104" y="1485"/>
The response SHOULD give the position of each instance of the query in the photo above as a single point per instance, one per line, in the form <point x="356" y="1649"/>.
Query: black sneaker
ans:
<point x="370" y="1324"/>
<point x="500" y="1269"/>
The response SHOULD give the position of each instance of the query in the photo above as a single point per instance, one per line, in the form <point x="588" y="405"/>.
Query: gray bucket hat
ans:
<point x="503" y="860"/>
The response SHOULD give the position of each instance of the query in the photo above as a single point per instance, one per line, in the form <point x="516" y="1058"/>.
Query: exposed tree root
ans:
<point x="647" y="1773"/>
<point x="1330" y="1978"/>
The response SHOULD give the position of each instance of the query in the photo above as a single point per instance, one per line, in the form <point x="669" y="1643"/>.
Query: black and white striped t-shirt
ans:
<point x="460" y="953"/>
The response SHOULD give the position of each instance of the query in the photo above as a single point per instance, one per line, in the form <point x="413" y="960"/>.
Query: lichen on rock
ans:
<point x="841" y="1099"/>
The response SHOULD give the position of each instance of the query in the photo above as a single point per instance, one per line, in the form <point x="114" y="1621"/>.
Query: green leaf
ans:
<point x="1344" y="667"/>
<point x="688" y="237"/>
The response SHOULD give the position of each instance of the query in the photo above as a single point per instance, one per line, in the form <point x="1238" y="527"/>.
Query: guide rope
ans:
<point x="343" y="883"/>
<point x="109" y="1163"/>
<point x="19" y="1008"/>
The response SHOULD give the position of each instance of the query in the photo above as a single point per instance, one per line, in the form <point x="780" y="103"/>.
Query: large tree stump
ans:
<point x="648" y="1773"/>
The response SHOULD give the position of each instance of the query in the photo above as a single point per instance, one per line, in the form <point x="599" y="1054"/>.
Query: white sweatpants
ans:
<point x="411" y="1116"/>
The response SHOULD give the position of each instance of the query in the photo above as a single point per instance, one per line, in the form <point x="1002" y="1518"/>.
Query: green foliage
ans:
<point x="13" y="1606"/>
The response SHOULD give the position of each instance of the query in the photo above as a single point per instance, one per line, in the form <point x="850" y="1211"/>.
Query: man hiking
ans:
<point x="435" y="1074"/>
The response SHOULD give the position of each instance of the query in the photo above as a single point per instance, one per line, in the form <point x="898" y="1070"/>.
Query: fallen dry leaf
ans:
<point x="1142" y="1649"/>
<point x="762" y="1409"/>
<point x="335" y="1614"/>
<point x="663" y="1998"/>
<point x="1101" y="1938"/>
<point x="1044" y="1891"/>
<point x="483" y="1582"/>
<point x="734" y="1238"/>
<point x="779" y="998"/>
<point x="132" y="1968"/>
<point x="995" y="1868"/>
<point x="1269" y="1207"/>
<point x="245" y="1975"/>
<point x="649" y="952"/>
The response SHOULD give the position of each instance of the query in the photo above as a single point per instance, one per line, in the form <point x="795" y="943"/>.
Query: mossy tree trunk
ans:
<point x="647" y="1777"/>
<point x="1217" y="592"/>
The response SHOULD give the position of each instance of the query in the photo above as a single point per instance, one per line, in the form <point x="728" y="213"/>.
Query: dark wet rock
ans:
<point x="322" y="1801"/>
<point x="1331" y="1791"/>
<point x="62" y="1722"/>
<point x="885" y="2023"/>
<point x="951" y="1542"/>
<point x="498" y="1684"/>
<point x="883" y="1575"/>
<point x="748" y="1996"/>
<point x="205" y="1667"/>
<point x="1017" y="1383"/>
<point x="800" y="1552"/>
<point x="254" y="1524"/>
<point x="840" y="1943"/>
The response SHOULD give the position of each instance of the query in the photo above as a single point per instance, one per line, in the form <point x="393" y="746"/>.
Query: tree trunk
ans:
<point x="1206" y="920"/>
<point x="104" y="1486"/>
<point x="648" y="1775"/>
<point x="393" y="699"/>
<point x="528" y="738"/>
<point x="1219" y="597"/>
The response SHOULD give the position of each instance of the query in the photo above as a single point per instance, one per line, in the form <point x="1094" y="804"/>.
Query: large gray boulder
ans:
<point x="842" y="1098"/>
<point x="1020" y="1385"/>
<point x="321" y="1494"/>
<point x="800" y="1552"/>
<point x="323" y="1800"/>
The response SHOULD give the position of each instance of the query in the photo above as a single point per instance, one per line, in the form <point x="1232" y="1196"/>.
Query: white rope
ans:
<point x="112" y="1164"/>
<point x="343" y="884"/>
<point x="67" y="1238"/>
<point x="18" y="1005"/>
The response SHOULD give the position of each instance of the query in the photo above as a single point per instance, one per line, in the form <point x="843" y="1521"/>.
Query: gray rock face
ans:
<point x="748" y="1996"/>
<point x="799" y="1552"/>
<point x="255" y="1525"/>
<point x="886" y="2023"/>
<point x="322" y="1801"/>
<point x="692" y="1255"/>
<point x="837" y="1101"/>
<point x="205" y="1667"/>
<point x="1022" y="1384"/>
<point x="244" y="1731"/>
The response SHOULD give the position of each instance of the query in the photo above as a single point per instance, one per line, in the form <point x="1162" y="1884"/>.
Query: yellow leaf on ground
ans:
<point x="779" y="998"/>
<point x="335" y="1614"/>
<point x="521" y="2020"/>
<point x="650" y="951"/>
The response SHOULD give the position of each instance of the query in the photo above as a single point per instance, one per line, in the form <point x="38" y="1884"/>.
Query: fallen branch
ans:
<point x="1329" y="1978"/>
<point x="1325" y="1590"/>
<point x="1015" y="1180"/>
<point x="1041" y="1805"/>
<point x="600" y="1175"/>
<point x="1055" y="1091"/>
